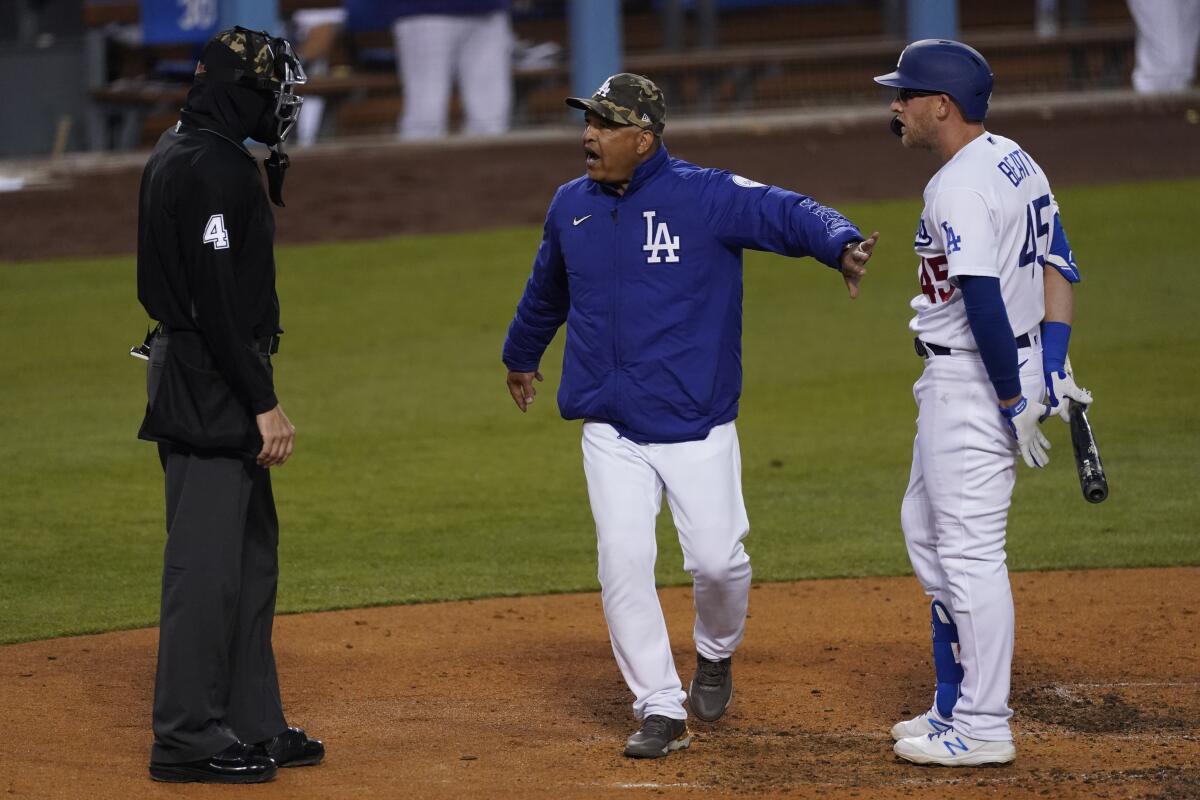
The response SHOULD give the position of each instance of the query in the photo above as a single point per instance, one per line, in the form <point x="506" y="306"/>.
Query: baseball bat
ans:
<point x="1092" y="479"/>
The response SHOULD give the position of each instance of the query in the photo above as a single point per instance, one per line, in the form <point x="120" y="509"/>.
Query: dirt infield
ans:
<point x="366" y="190"/>
<point x="521" y="698"/>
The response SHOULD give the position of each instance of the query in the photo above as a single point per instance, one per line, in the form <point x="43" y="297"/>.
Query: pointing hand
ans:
<point x="854" y="263"/>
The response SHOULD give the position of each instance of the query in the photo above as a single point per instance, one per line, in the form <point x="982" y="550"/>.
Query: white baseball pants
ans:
<point x="954" y="516"/>
<point x="703" y="482"/>
<point x="1168" y="34"/>
<point x="431" y="49"/>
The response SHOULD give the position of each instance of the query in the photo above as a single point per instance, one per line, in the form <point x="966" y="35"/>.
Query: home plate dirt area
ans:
<point x="520" y="697"/>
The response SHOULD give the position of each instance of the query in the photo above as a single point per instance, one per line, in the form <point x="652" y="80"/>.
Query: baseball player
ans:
<point x="642" y="258"/>
<point x="992" y="323"/>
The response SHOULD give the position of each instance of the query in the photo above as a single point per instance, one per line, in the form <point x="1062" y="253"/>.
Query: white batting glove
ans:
<point x="1060" y="391"/>
<point x="1023" y="422"/>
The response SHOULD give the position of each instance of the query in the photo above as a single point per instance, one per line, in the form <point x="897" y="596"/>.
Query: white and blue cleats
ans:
<point x="921" y="725"/>
<point x="950" y="748"/>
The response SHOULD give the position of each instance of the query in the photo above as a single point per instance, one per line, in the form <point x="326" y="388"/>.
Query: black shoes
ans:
<point x="245" y="763"/>
<point x="293" y="748"/>
<point x="238" y="763"/>
<point x="658" y="736"/>
<point x="711" y="688"/>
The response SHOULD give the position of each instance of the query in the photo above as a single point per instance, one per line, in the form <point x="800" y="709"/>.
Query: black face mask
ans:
<point x="238" y="111"/>
<point x="266" y="127"/>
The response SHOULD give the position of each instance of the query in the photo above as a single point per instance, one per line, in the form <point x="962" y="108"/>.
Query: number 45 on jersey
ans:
<point x="1046" y="242"/>
<point x="1036" y="229"/>
<point x="933" y="275"/>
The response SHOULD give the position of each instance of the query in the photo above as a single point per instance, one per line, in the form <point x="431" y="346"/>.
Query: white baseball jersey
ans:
<point x="988" y="211"/>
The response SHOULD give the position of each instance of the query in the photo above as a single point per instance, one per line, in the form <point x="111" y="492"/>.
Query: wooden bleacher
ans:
<point x="768" y="58"/>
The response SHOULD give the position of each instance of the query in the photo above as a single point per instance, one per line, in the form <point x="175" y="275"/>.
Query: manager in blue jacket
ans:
<point x="642" y="258"/>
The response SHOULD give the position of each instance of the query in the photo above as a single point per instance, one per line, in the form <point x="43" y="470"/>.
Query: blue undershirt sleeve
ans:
<point x="993" y="333"/>
<point x="1060" y="256"/>
<point x="1056" y="336"/>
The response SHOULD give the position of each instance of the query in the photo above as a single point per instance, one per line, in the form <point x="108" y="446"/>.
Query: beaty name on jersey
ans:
<point x="1017" y="166"/>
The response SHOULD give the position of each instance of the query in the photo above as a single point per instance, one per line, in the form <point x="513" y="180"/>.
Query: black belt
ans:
<point x="927" y="349"/>
<point x="267" y="345"/>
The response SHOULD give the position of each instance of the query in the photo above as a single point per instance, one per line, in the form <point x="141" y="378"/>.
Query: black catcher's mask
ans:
<point x="269" y="67"/>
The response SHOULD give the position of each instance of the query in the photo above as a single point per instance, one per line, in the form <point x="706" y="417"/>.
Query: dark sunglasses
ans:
<point x="904" y="95"/>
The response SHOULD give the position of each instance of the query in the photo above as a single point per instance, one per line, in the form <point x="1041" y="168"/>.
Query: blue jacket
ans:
<point x="650" y="286"/>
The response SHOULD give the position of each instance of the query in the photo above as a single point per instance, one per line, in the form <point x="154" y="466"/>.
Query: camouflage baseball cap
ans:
<point x="239" y="55"/>
<point x="627" y="99"/>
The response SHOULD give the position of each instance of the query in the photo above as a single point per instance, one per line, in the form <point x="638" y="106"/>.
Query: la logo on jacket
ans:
<point x="659" y="239"/>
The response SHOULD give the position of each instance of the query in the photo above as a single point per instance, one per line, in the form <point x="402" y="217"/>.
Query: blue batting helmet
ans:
<point x="942" y="65"/>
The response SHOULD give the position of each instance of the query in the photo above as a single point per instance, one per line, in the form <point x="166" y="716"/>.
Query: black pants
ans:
<point x="216" y="680"/>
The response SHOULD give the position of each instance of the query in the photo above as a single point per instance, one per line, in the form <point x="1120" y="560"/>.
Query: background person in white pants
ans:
<point x="642" y="259"/>
<point x="316" y="30"/>
<point x="1168" y="34"/>
<point x="993" y="324"/>
<point x="441" y="41"/>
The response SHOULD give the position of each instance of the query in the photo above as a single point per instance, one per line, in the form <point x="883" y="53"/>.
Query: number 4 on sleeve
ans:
<point x="215" y="234"/>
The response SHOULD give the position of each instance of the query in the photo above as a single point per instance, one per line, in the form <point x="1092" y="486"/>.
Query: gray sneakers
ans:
<point x="711" y="689"/>
<point x="658" y="736"/>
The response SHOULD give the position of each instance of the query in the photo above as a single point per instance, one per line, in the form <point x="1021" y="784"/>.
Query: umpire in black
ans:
<point x="206" y="272"/>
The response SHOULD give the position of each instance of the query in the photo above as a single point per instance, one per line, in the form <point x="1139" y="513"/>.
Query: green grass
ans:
<point x="415" y="478"/>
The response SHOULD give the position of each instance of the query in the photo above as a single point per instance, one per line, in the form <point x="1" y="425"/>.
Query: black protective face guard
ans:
<point x="287" y="112"/>
<point x="289" y="73"/>
<point x="287" y="102"/>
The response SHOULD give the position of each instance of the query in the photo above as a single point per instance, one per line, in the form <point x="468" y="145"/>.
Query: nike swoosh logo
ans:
<point x="1023" y="363"/>
<point x="575" y="221"/>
